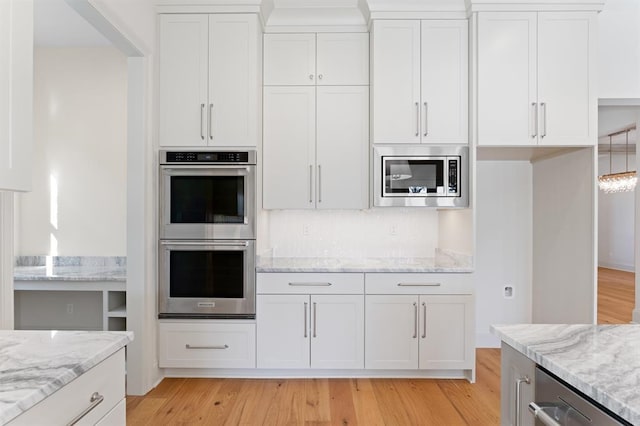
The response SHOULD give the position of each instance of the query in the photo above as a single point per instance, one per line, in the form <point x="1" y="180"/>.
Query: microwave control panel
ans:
<point x="453" y="176"/>
<point x="207" y="157"/>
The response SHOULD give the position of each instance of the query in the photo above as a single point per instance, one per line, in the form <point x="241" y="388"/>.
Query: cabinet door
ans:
<point x="282" y="331"/>
<point x="444" y="81"/>
<point x="391" y="332"/>
<point x="342" y="58"/>
<point x="183" y="80"/>
<point x="289" y="59"/>
<point x="234" y="80"/>
<point x="289" y="145"/>
<point x="507" y="78"/>
<point x="342" y="140"/>
<point x="446" y="332"/>
<point x="396" y="81"/>
<point x="566" y="78"/>
<point x="337" y="331"/>
<point x="515" y="371"/>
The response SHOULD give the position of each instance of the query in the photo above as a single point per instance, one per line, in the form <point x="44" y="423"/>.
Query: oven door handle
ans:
<point x="206" y="243"/>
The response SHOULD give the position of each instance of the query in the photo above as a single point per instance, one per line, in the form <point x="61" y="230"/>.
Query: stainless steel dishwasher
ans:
<point x="558" y="404"/>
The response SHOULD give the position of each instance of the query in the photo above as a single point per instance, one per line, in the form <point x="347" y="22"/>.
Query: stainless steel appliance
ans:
<point x="558" y="404"/>
<point x="207" y="194"/>
<point x="421" y="176"/>
<point x="206" y="252"/>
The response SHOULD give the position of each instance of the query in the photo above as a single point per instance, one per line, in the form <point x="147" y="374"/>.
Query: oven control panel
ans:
<point x="208" y="157"/>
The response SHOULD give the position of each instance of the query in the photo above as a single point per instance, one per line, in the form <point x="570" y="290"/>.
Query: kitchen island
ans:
<point x="53" y="375"/>
<point x="601" y="361"/>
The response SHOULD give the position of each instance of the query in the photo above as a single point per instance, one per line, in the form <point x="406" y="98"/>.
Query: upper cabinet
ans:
<point x="210" y="80"/>
<point x="309" y="59"/>
<point x="536" y="78"/>
<point x="420" y="81"/>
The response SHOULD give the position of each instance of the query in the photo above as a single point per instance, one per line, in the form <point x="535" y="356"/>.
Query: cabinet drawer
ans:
<point x="207" y="345"/>
<point x="421" y="283"/>
<point x="106" y="378"/>
<point x="310" y="283"/>
<point x="115" y="417"/>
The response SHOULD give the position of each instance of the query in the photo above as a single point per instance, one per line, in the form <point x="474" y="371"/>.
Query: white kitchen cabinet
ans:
<point x="536" y="78"/>
<point x="317" y="321"/>
<point x="307" y="59"/>
<point x="209" y="71"/>
<point x="315" y="147"/>
<point x="517" y="382"/>
<point x="206" y="344"/>
<point x="420" y="81"/>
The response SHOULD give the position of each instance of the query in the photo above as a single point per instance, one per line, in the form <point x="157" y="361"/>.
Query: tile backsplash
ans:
<point x="393" y="232"/>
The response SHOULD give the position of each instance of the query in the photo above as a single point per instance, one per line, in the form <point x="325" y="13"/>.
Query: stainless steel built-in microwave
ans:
<point x="421" y="176"/>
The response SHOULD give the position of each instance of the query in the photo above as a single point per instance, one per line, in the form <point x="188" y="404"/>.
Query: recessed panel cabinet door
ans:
<point x="566" y="84"/>
<point x="507" y="78"/>
<point x="342" y="139"/>
<point x="391" y="332"/>
<point x="234" y="80"/>
<point x="337" y="333"/>
<point x="183" y="80"/>
<point x="289" y="145"/>
<point x="396" y="81"/>
<point x="289" y="59"/>
<point x="444" y="81"/>
<point x="342" y="59"/>
<point x="283" y="331"/>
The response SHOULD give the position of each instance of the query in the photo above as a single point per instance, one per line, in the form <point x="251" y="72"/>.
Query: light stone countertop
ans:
<point x="35" y="364"/>
<point x="442" y="262"/>
<point x="602" y="361"/>
<point x="70" y="268"/>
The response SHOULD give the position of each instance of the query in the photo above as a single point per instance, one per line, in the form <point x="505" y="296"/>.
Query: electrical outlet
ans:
<point x="70" y="308"/>
<point x="306" y="230"/>
<point x="393" y="230"/>
<point x="508" y="292"/>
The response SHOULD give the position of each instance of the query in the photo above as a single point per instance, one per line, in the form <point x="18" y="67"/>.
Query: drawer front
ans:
<point x="410" y="283"/>
<point x="310" y="283"/>
<point x="106" y="378"/>
<point x="207" y="345"/>
<point x="115" y="417"/>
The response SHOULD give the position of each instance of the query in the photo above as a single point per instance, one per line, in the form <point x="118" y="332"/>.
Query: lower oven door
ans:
<point x="207" y="279"/>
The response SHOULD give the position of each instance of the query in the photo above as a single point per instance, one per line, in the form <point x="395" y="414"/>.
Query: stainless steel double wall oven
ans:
<point x="207" y="234"/>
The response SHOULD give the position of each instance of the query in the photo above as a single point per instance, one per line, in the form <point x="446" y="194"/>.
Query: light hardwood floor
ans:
<point x="392" y="402"/>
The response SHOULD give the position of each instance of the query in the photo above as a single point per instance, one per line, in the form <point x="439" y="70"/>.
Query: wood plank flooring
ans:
<point x="392" y="402"/>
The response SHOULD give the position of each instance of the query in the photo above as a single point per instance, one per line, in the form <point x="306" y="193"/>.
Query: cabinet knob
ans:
<point x="319" y="76"/>
<point x="310" y="76"/>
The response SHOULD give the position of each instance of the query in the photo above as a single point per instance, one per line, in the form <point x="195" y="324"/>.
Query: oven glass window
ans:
<point x="413" y="176"/>
<point x="207" y="199"/>
<point x="209" y="274"/>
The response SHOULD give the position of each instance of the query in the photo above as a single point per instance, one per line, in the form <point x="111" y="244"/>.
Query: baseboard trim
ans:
<point x="617" y="266"/>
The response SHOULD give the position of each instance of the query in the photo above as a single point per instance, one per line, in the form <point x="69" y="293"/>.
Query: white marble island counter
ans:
<point x="35" y="364"/>
<point x="602" y="361"/>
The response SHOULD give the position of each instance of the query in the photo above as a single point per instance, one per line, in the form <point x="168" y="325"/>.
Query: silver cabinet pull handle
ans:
<point x="315" y="319"/>
<point x="188" y="346"/>
<point x="417" y="118"/>
<point x="540" y="414"/>
<point x="426" y="119"/>
<point x="305" y="320"/>
<point x="415" y="322"/>
<point x="210" y="120"/>
<point x="319" y="184"/>
<point x="205" y="243"/>
<point x="424" y="320"/>
<point x="519" y="382"/>
<point x="543" y="106"/>
<point x="310" y="183"/>
<point x="419" y="284"/>
<point x="534" y="120"/>
<point x="202" y="121"/>
<point x="310" y="284"/>
<point x="95" y="400"/>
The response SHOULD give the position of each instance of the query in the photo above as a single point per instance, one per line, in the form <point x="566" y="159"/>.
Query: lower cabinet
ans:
<point x="307" y="330"/>
<point x="206" y="344"/>
<point x="517" y="376"/>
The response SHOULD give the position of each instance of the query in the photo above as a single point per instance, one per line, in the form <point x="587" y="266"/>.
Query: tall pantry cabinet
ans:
<point x="210" y="80"/>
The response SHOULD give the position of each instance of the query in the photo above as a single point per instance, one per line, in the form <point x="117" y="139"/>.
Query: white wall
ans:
<point x="78" y="202"/>
<point x="392" y="232"/>
<point x="503" y="246"/>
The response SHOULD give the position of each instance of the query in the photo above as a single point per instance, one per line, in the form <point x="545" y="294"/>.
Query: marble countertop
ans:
<point x="602" y="361"/>
<point x="442" y="262"/>
<point x="70" y="268"/>
<point x="35" y="364"/>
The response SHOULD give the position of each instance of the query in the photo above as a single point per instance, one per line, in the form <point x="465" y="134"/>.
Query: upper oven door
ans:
<point x="207" y="202"/>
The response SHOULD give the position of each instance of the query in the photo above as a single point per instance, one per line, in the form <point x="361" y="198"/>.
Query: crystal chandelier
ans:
<point x="619" y="182"/>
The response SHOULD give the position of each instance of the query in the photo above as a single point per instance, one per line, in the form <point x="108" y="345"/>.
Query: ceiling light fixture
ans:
<point x="619" y="182"/>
